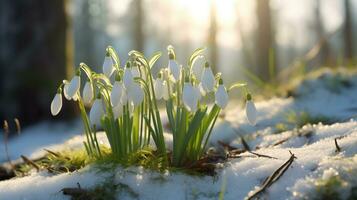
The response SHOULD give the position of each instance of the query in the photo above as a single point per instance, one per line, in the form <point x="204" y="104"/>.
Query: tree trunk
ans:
<point x="33" y="57"/>
<point x="325" y="55"/>
<point x="348" y="34"/>
<point x="265" y="38"/>
<point x="212" y="43"/>
<point x="138" y="25"/>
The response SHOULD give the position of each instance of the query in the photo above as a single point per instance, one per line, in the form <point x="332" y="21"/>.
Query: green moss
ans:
<point x="299" y="119"/>
<point x="107" y="190"/>
<point x="328" y="189"/>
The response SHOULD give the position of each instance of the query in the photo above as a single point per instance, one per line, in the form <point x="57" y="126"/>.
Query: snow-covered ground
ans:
<point x="317" y="161"/>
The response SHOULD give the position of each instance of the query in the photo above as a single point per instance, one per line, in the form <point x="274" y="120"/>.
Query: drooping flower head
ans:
<point x="207" y="78"/>
<point x="117" y="91"/>
<point x="96" y="111"/>
<point x="74" y="85"/>
<point x="173" y="66"/>
<point x="56" y="103"/>
<point x="108" y="65"/>
<point x="251" y="111"/>
<point x="221" y="96"/>
<point x="128" y="77"/>
<point x="88" y="92"/>
<point x="190" y="96"/>
<point x="159" y="87"/>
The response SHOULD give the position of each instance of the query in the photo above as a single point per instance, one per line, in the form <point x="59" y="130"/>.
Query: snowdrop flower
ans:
<point x="190" y="97"/>
<point x="174" y="68"/>
<point x="250" y="110"/>
<point x="88" y="93"/>
<point x="159" y="87"/>
<point x="207" y="78"/>
<point x="128" y="78"/>
<point x="221" y="96"/>
<point x="96" y="112"/>
<point x="135" y="94"/>
<point x="108" y="67"/>
<point x="74" y="85"/>
<point x="135" y="71"/>
<point x="165" y="94"/>
<point x="56" y="103"/>
<point x="118" y="111"/>
<point x="117" y="93"/>
<point x="65" y="90"/>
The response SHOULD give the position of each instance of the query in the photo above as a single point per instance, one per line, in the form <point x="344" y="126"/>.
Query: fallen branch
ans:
<point x="273" y="178"/>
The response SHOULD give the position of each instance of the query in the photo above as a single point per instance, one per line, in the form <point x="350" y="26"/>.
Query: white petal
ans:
<point x="128" y="78"/>
<point x="96" y="112"/>
<point x="136" y="94"/>
<point x="198" y="93"/>
<point x="135" y="72"/>
<point x="65" y="91"/>
<point x="118" y="111"/>
<point x="88" y="93"/>
<point x="251" y="112"/>
<point x="75" y="97"/>
<point x="116" y="94"/>
<point x="189" y="97"/>
<point x="175" y="69"/>
<point x="165" y="93"/>
<point x="221" y="96"/>
<point x="56" y="104"/>
<point x="207" y="79"/>
<point x="159" y="89"/>
<point x="108" y="68"/>
<point x="74" y="86"/>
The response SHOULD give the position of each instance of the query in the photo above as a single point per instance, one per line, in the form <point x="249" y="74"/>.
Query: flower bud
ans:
<point x="159" y="88"/>
<point x="221" y="96"/>
<point x="189" y="97"/>
<point x="96" y="112"/>
<point x="117" y="92"/>
<point x="74" y="86"/>
<point x="251" y="111"/>
<point x="88" y="93"/>
<point x="108" y="67"/>
<point x="207" y="79"/>
<point x="56" y="104"/>
<point x="174" y="69"/>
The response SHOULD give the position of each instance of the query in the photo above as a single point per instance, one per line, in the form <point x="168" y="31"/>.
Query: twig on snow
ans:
<point x="30" y="162"/>
<point x="338" y="149"/>
<point x="272" y="178"/>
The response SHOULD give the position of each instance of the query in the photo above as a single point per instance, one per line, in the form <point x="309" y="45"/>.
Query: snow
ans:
<point x="317" y="159"/>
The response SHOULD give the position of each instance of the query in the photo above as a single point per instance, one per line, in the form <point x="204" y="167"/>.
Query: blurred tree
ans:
<point x="34" y="53"/>
<point x="138" y="35"/>
<point x="348" y="33"/>
<point x="86" y="40"/>
<point x="212" y="43"/>
<point x="265" y="39"/>
<point x="325" y="55"/>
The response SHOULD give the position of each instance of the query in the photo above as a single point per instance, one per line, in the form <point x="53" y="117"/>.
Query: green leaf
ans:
<point x="154" y="58"/>
<point x="194" y="56"/>
<point x="236" y="85"/>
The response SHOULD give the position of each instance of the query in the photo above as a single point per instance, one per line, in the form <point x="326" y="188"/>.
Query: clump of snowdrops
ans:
<point x="123" y="100"/>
